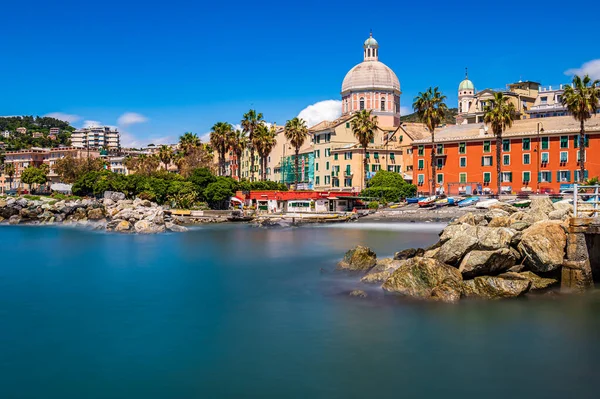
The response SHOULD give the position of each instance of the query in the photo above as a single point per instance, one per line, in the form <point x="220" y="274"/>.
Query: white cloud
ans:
<point x="591" y="68"/>
<point x="64" y="117"/>
<point x="130" y="118"/>
<point x="128" y="140"/>
<point x="327" y="110"/>
<point x="205" y="138"/>
<point x="90" y="123"/>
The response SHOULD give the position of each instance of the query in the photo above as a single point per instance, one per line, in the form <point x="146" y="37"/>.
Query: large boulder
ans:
<point x="537" y="282"/>
<point x="562" y="205"/>
<point x="491" y="238"/>
<point x="2" y="203"/>
<point x="8" y="211"/>
<point x="448" y="291"/>
<point x="14" y="219"/>
<point x="469" y="218"/>
<point x="500" y="221"/>
<point x="358" y="258"/>
<point x="147" y="227"/>
<point x="479" y="263"/>
<point x="453" y="250"/>
<point x="495" y="213"/>
<point x="543" y="204"/>
<point x="454" y="230"/>
<point x="123" y="226"/>
<point x="418" y="277"/>
<point x="381" y="271"/>
<point x="95" y="214"/>
<point x="175" y="227"/>
<point x="409" y="253"/>
<point x="519" y="226"/>
<point x="495" y="287"/>
<point x="114" y="195"/>
<point x="504" y="206"/>
<point x="543" y="246"/>
<point x="559" y="214"/>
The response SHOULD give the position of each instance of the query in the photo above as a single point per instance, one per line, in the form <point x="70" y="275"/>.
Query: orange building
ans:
<point x="537" y="156"/>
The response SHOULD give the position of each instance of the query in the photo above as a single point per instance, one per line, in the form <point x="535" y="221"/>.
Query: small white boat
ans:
<point x="486" y="204"/>
<point x="427" y="201"/>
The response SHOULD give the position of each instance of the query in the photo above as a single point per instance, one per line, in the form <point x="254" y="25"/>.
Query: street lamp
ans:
<point x="540" y="129"/>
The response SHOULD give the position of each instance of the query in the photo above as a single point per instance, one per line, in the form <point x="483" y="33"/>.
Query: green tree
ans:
<point x="220" y="143"/>
<point x="582" y="99"/>
<point x="296" y="133"/>
<point x="188" y="141"/>
<point x="250" y="122"/>
<point x="431" y="110"/>
<point x="238" y="141"/>
<point x="32" y="175"/>
<point x="218" y="193"/>
<point x="499" y="114"/>
<point x="165" y="154"/>
<point x="265" y="141"/>
<point x="363" y="126"/>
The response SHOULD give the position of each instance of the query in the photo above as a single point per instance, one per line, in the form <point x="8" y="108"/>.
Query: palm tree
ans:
<point x="165" y="154"/>
<point x="296" y="133"/>
<point x="238" y="141"/>
<point x="582" y="99"/>
<point x="265" y="141"/>
<point x="249" y="124"/>
<point x="218" y="141"/>
<point x="500" y="114"/>
<point x="431" y="110"/>
<point x="363" y="126"/>
<point x="9" y="170"/>
<point x="188" y="141"/>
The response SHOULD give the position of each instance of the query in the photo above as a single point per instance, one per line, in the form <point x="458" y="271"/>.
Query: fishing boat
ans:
<point x="444" y="202"/>
<point x="486" y="204"/>
<point x="468" y="201"/>
<point x="522" y="203"/>
<point x="425" y="202"/>
<point x="414" y="200"/>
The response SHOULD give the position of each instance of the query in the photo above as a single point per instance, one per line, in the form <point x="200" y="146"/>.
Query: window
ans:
<point x="526" y="159"/>
<point x="506" y="145"/>
<point x="487" y="161"/>
<point x="463" y="162"/>
<point x="506" y="177"/>
<point x="545" y="157"/>
<point x="317" y="180"/>
<point x="362" y="103"/>
<point x="420" y="179"/>
<point x="564" y="141"/>
<point x="383" y="104"/>
<point x="545" y="177"/>
<point x="440" y="163"/>
<point x="347" y="155"/>
<point x="545" y="143"/>
<point x="462" y="148"/>
<point x="367" y="155"/>
<point x="421" y="163"/>
<point x="335" y="157"/>
<point x="376" y="155"/>
<point x="487" y="177"/>
<point x="347" y="125"/>
<point x="586" y="141"/>
<point x="526" y="144"/>
<point x="584" y="156"/>
<point x="440" y="149"/>
<point x="585" y="175"/>
<point x="327" y="180"/>
<point x="327" y="152"/>
<point x="327" y="165"/>
<point x="392" y="157"/>
<point x="462" y="177"/>
<point x="506" y="160"/>
<point x="526" y="177"/>
<point x="486" y="146"/>
<point x="348" y="171"/>
<point x="421" y="151"/>
<point x="543" y="100"/>
<point x="564" y="156"/>
<point x="348" y="182"/>
<point x="563" y="176"/>
<point x="440" y="178"/>
<point x="317" y="167"/>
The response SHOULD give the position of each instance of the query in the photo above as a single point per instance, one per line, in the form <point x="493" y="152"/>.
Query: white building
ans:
<point x="6" y="134"/>
<point x="96" y="137"/>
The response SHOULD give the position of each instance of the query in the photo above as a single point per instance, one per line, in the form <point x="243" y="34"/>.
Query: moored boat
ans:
<point x="487" y="203"/>
<point x="468" y="201"/>
<point x="522" y="203"/>
<point x="414" y="200"/>
<point x="425" y="202"/>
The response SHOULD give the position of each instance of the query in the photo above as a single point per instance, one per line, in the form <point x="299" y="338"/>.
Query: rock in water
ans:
<point x="358" y="259"/>
<point x="479" y="263"/>
<point x="408" y="253"/>
<point x="495" y="287"/>
<point x="418" y="277"/>
<point x="456" y="248"/>
<point x="123" y="227"/>
<point x="381" y="271"/>
<point x="147" y="227"/>
<point x="358" y="294"/>
<point x="537" y="282"/>
<point x="95" y="214"/>
<point x="14" y="219"/>
<point x="543" y="245"/>
<point x="448" y="291"/>
<point x="175" y="227"/>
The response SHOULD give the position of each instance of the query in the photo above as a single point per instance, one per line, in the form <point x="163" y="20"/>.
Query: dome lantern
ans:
<point x="371" y="49"/>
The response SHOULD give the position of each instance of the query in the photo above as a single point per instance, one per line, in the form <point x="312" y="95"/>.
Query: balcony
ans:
<point x="348" y="173"/>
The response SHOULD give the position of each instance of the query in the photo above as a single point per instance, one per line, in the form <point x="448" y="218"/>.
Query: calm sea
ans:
<point x="240" y="312"/>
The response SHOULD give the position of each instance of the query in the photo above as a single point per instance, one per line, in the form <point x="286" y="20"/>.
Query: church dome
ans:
<point x="466" y="85"/>
<point x="369" y="75"/>
<point x="371" y="42"/>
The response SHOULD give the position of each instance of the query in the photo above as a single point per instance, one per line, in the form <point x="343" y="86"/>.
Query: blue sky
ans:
<point x="156" y="70"/>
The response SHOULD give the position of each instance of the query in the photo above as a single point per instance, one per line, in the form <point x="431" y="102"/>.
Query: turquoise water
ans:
<point x="238" y="312"/>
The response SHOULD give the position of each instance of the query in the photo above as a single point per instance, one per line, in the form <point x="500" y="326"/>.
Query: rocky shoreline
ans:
<point x="113" y="213"/>
<point x="503" y="253"/>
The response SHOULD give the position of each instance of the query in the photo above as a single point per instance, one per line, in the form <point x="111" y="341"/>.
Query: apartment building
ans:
<point x="96" y="137"/>
<point x="536" y="155"/>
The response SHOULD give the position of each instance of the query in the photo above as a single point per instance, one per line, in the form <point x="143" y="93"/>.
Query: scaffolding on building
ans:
<point x="306" y="165"/>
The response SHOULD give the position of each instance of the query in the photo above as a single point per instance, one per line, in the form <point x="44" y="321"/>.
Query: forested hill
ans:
<point x="449" y="120"/>
<point x="37" y="124"/>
